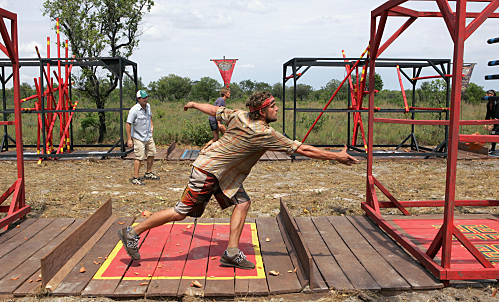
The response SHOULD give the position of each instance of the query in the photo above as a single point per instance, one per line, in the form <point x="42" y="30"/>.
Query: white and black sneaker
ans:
<point x="238" y="260"/>
<point x="151" y="176"/>
<point x="130" y="242"/>
<point x="137" y="181"/>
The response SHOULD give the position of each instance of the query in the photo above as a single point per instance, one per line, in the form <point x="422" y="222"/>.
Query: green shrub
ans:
<point x="89" y="131"/>
<point x="196" y="133"/>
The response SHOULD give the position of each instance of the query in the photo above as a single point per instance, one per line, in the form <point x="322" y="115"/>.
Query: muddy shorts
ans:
<point x="143" y="150"/>
<point x="202" y="185"/>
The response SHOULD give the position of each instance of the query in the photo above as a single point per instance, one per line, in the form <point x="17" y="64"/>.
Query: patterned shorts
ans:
<point x="202" y="185"/>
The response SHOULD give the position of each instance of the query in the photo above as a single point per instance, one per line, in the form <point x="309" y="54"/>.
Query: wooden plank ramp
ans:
<point x="382" y="272"/>
<point x="75" y="282"/>
<point x="276" y="258"/>
<point x="413" y="272"/>
<point x="354" y="271"/>
<point x="326" y="264"/>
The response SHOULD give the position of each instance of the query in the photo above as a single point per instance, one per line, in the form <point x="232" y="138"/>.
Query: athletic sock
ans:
<point x="132" y="232"/>
<point x="231" y="251"/>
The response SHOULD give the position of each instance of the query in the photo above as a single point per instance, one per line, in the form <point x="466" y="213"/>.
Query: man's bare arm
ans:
<point x="204" y="108"/>
<point x="313" y="152"/>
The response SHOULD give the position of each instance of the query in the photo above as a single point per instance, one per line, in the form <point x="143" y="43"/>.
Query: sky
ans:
<point x="181" y="37"/>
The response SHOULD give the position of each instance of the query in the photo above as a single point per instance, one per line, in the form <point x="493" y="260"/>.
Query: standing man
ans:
<point x="139" y="129"/>
<point x="222" y="167"/>
<point x="492" y="114"/>
<point x="215" y="125"/>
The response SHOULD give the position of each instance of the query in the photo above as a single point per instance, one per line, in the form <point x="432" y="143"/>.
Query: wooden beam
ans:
<point x="59" y="262"/>
<point x="301" y="249"/>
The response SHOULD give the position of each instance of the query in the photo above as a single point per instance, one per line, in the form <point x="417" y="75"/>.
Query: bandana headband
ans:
<point x="266" y="103"/>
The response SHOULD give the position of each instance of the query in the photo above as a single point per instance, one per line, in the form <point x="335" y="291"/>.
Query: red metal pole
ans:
<point x="59" y="80"/>
<point x="325" y="107"/>
<point x="450" y="185"/>
<point x="403" y="91"/>
<point x="67" y="71"/>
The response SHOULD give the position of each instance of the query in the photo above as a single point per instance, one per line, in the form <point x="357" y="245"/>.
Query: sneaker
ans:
<point x="238" y="260"/>
<point x="130" y="243"/>
<point x="151" y="176"/>
<point x="137" y="181"/>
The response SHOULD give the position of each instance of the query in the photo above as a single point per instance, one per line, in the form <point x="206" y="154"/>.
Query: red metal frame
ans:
<point x="57" y="98"/>
<point x="17" y="208"/>
<point x="456" y="24"/>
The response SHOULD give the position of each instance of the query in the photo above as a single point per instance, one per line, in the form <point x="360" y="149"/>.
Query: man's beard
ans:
<point x="270" y="120"/>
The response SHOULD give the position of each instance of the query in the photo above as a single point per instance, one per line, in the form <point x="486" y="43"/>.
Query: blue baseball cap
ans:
<point x="142" y="94"/>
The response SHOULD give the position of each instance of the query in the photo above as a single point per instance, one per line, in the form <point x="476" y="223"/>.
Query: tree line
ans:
<point x="174" y="88"/>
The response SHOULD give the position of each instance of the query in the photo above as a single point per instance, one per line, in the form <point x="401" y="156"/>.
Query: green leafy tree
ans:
<point x="129" y="90"/>
<point x="473" y="93"/>
<point x="95" y="28"/>
<point x="326" y="92"/>
<point x="303" y="91"/>
<point x="432" y="93"/>
<point x="378" y="82"/>
<point x="171" y="87"/>
<point x="236" y="93"/>
<point x="262" y="86"/>
<point x="205" y="89"/>
<point x="277" y="91"/>
<point x="248" y="86"/>
<point x="26" y="90"/>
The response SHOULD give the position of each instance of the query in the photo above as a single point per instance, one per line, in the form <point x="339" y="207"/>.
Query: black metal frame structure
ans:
<point x="299" y="66"/>
<point x="116" y="65"/>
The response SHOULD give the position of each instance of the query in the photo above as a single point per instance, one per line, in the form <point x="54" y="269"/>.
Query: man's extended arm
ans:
<point x="204" y="108"/>
<point x="313" y="152"/>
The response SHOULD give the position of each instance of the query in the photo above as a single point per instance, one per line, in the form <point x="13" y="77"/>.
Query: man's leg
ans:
<point x="215" y="135"/>
<point x="157" y="219"/>
<point x="237" y="220"/>
<point x="233" y="256"/>
<point x="136" y="168"/>
<point x="130" y="235"/>
<point x="150" y="162"/>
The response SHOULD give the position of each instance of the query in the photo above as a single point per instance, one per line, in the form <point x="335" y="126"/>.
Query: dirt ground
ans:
<point x="76" y="188"/>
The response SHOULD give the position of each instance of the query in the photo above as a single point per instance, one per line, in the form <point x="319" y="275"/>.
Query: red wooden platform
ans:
<point x="481" y="230"/>
<point x="309" y="254"/>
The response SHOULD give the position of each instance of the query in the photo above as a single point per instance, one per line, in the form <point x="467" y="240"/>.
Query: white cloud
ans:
<point x="253" y="6"/>
<point x="181" y="37"/>
<point x="27" y="50"/>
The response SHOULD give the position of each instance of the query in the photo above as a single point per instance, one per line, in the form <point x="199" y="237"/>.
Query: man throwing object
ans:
<point x="221" y="168"/>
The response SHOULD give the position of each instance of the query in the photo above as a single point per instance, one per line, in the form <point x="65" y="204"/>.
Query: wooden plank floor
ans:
<point x="348" y="253"/>
<point x="359" y="257"/>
